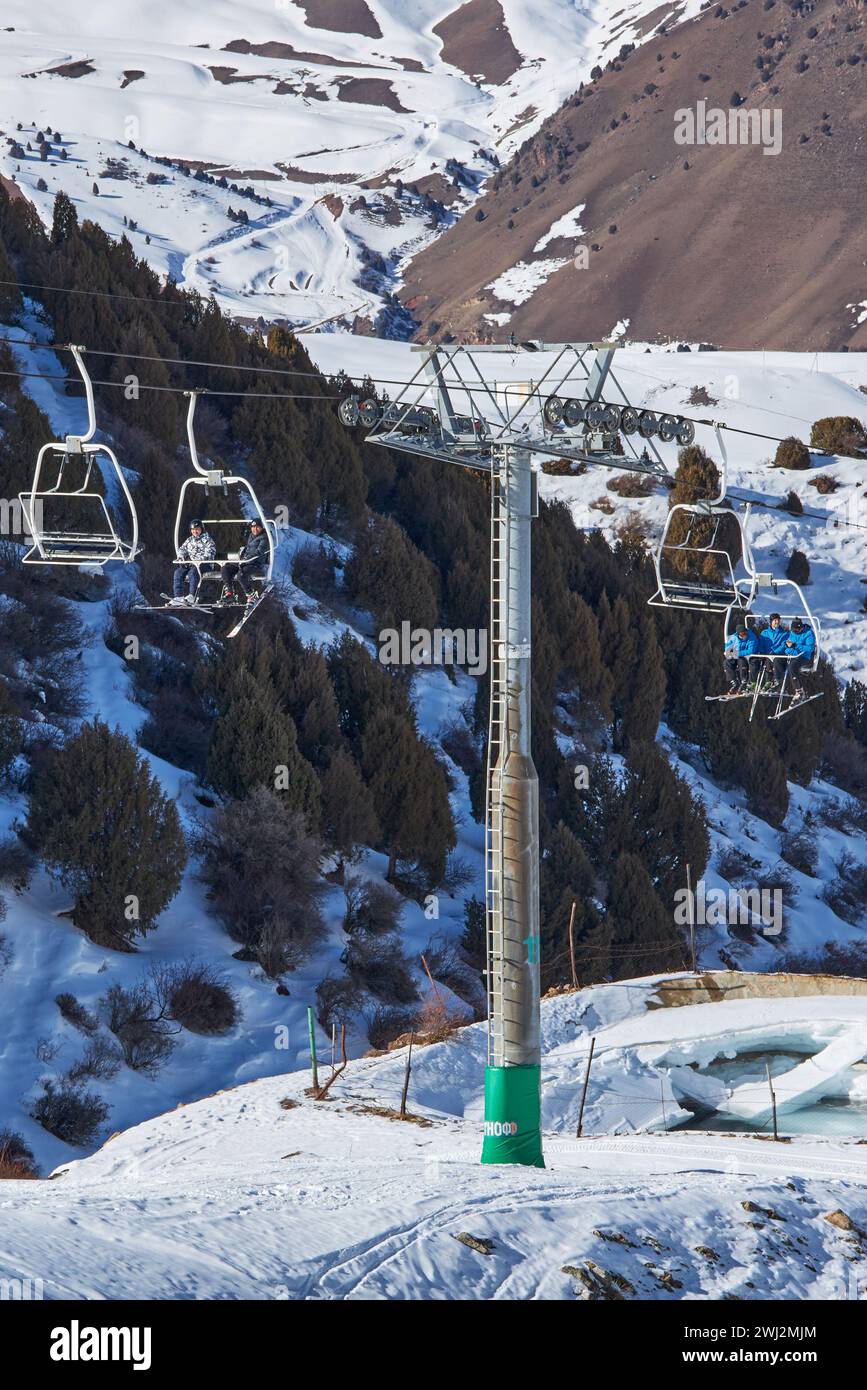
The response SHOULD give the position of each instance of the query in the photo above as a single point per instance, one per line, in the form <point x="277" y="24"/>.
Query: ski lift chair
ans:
<point x="698" y="571"/>
<point x="215" y="481"/>
<point x="89" y="535"/>
<point x="756" y="622"/>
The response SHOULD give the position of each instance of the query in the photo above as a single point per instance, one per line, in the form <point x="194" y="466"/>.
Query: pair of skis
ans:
<point x="209" y="608"/>
<point x="795" y="702"/>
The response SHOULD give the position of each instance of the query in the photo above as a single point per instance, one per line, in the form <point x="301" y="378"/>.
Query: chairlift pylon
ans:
<point x="697" y="571"/>
<point x="90" y="535"/>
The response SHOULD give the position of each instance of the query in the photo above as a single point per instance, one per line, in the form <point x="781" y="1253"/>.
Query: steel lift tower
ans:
<point x="475" y="406"/>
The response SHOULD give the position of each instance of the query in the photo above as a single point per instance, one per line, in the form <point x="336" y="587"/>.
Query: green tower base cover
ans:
<point x="513" y="1106"/>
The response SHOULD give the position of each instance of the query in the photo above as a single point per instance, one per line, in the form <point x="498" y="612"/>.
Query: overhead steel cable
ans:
<point x="380" y="381"/>
<point x="183" y="390"/>
<point x="103" y="294"/>
<point x="302" y="396"/>
<point x="319" y="375"/>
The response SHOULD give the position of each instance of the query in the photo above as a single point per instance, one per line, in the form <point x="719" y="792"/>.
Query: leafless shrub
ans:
<point x="780" y="881"/>
<point x="381" y="967"/>
<point x="844" y="762"/>
<point x="800" y="850"/>
<point x="337" y="1000"/>
<point x="384" y="1024"/>
<point x="457" y="741"/>
<point x="437" y="1020"/>
<point x="632" y="485"/>
<point x="699" y="396"/>
<point x="100" y="1062"/>
<point x="603" y="504"/>
<point x="791" y="453"/>
<point x="733" y="864"/>
<point x="833" y="959"/>
<point x="824" y="483"/>
<point x="17" y="863"/>
<point x="841" y="815"/>
<point x="76" y="1014"/>
<point x="16" y="1159"/>
<point x="847" y="895"/>
<point x="140" y="1026"/>
<point x="196" y="996"/>
<point x="70" y="1114"/>
<point x="448" y="966"/>
<point x="262" y="871"/>
<point x="371" y="908"/>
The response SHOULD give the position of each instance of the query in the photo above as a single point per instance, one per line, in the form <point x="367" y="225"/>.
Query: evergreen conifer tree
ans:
<point x="254" y="744"/>
<point x="348" y="816"/>
<point x="104" y="828"/>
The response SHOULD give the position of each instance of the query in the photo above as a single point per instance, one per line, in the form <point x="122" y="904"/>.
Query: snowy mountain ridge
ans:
<point x="320" y="109"/>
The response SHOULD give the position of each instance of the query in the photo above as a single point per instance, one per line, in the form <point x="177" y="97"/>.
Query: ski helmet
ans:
<point x="197" y="524"/>
<point x="742" y="632"/>
<point x="797" y="625"/>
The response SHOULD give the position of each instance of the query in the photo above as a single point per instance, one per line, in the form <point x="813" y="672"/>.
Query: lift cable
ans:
<point x="380" y="381"/>
<point x="184" y="391"/>
<point x="299" y="396"/>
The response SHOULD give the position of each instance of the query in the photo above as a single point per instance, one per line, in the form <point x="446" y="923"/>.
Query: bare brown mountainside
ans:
<point x="715" y="243"/>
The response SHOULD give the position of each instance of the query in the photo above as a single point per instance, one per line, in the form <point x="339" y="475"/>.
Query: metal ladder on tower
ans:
<point x="496" y="754"/>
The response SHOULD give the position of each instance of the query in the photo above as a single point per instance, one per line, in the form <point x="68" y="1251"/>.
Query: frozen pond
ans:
<point x="833" y="1116"/>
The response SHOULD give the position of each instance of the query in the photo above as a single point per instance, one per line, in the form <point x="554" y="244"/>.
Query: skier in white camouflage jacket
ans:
<point x="194" y="551"/>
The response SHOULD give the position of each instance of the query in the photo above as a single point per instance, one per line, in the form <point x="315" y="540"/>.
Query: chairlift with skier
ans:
<point x="220" y="562"/>
<point x="781" y="647"/>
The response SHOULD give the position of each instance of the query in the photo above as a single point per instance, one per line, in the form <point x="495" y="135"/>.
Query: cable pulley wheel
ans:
<point x="553" y="411"/>
<point x="348" y="412"/>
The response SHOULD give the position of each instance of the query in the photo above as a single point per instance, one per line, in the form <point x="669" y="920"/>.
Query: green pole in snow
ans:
<point x="312" y="1033"/>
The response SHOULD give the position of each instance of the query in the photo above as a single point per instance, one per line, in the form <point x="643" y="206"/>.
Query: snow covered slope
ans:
<point x="49" y="956"/>
<point x="314" y="107"/>
<point x="263" y="1193"/>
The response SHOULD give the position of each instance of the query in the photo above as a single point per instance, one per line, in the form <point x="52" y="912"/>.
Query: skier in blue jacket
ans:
<point x="742" y="645"/>
<point x="772" y="642"/>
<point x="801" y="649"/>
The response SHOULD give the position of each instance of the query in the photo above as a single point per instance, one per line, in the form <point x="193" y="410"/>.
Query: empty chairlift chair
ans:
<point x="703" y="559"/>
<point x="69" y="521"/>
